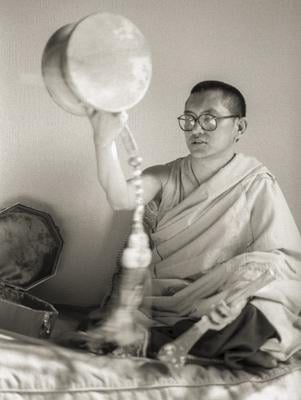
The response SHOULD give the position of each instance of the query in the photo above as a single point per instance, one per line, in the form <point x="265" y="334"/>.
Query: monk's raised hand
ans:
<point x="223" y="314"/>
<point x="106" y="126"/>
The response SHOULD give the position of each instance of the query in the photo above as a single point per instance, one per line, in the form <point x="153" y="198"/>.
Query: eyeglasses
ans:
<point x="207" y="122"/>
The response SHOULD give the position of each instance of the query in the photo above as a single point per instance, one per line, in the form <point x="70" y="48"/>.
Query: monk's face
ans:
<point x="217" y="143"/>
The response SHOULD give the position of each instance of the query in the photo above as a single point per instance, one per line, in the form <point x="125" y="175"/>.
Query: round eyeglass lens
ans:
<point x="186" y="122"/>
<point x="208" y="122"/>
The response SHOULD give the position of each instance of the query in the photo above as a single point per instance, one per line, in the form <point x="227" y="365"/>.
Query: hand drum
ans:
<point x="102" y="61"/>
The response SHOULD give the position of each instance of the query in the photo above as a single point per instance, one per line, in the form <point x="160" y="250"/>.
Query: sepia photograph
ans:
<point x="150" y="191"/>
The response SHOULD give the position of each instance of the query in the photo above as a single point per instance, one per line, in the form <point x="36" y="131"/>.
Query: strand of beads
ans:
<point x="137" y="254"/>
<point x="120" y="326"/>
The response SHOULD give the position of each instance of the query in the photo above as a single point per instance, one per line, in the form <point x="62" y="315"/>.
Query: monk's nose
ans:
<point x="198" y="130"/>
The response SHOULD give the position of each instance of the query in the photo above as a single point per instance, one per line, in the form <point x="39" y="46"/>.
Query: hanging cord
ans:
<point x="137" y="254"/>
<point x="120" y="325"/>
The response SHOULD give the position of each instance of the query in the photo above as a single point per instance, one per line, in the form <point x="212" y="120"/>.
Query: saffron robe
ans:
<point x="212" y="238"/>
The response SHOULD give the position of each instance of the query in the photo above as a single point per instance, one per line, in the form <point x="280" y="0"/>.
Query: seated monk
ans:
<point x="216" y="219"/>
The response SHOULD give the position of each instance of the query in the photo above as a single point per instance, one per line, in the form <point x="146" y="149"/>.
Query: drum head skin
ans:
<point x="103" y="62"/>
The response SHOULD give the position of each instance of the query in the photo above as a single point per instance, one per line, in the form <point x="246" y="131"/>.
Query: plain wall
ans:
<point x="47" y="157"/>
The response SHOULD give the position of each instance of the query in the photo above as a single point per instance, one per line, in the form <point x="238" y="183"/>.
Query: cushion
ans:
<point x="36" y="369"/>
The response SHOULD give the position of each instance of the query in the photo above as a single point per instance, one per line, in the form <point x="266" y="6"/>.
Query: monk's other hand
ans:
<point x="223" y="314"/>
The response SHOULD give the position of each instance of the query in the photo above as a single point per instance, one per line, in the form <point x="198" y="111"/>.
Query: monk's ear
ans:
<point x="242" y="125"/>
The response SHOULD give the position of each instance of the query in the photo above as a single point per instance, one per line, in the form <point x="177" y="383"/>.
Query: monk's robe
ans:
<point x="212" y="238"/>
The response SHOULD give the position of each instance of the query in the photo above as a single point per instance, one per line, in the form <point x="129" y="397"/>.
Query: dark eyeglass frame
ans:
<point x="198" y="119"/>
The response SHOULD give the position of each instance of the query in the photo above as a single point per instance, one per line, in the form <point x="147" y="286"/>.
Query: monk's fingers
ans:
<point x="221" y="324"/>
<point x="219" y="319"/>
<point x="223" y="309"/>
<point x="223" y="314"/>
<point x="237" y="307"/>
<point x="220" y="312"/>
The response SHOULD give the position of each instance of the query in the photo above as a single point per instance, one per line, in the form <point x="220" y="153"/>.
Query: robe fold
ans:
<point x="212" y="238"/>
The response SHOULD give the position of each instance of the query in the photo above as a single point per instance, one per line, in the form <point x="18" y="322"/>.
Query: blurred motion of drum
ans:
<point x="103" y="61"/>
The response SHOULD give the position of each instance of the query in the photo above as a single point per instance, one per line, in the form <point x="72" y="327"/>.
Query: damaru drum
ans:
<point x="102" y="61"/>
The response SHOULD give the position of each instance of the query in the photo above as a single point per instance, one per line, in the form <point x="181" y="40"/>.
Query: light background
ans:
<point x="47" y="157"/>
